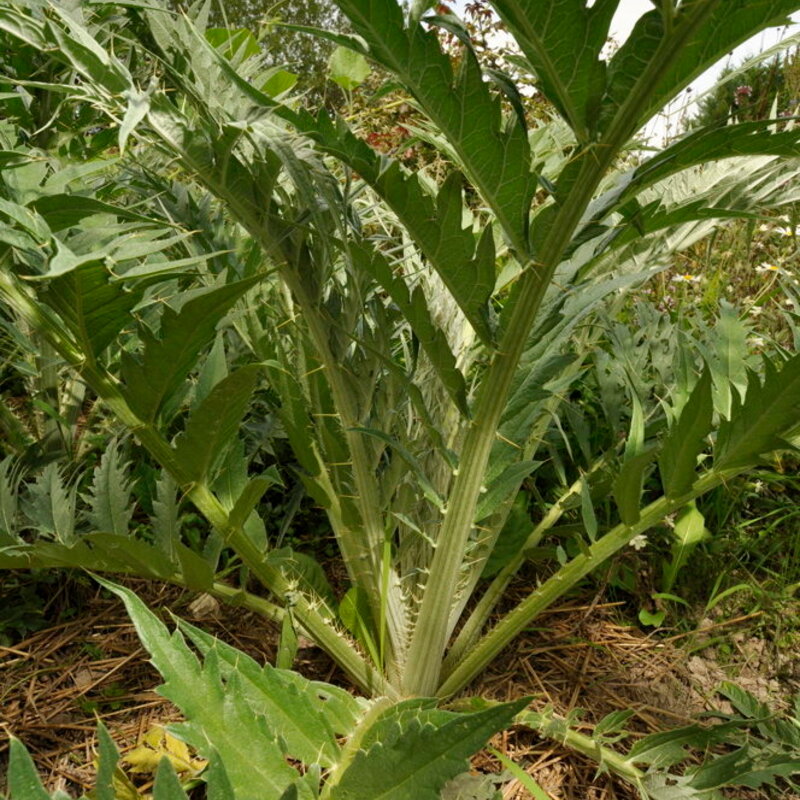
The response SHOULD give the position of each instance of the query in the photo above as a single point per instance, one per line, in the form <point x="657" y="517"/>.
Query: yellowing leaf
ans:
<point x="157" y="743"/>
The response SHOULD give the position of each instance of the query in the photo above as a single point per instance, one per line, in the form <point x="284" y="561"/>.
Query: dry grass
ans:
<point x="57" y="682"/>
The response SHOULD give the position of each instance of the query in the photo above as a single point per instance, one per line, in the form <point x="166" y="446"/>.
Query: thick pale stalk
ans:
<point x="490" y="646"/>
<point x="430" y="634"/>
<point x="480" y="614"/>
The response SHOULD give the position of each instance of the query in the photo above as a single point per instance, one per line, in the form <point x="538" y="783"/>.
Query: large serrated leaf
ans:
<point x="670" y="747"/>
<point x="414" y="307"/>
<point x="214" y="424"/>
<point x="745" y="768"/>
<point x="757" y="425"/>
<point x="495" y="156"/>
<point x="167" y="360"/>
<point x="63" y="211"/>
<point x="419" y="754"/>
<point x="217" y="713"/>
<point x="700" y="34"/>
<point x="51" y="505"/>
<point x="294" y="706"/>
<point x="435" y="224"/>
<point x="686" y="440"/>
<point x="110" y="493"/>
<point x="709" y="144"/>
<point x="94" y="309"/>
<point x="166" y="521"/>
<point x="562" y="41"/>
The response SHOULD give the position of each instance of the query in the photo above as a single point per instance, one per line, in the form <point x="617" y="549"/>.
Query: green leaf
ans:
<point x="686" y="440"/>
<point x="251" y="494"/>
<point x="710" y="144"/>
<point x="745" y="767"/>
<point x="628" y="485"/>
<point x="690" y="530"/>
<point x="214" y="369"/>
<point x="347" y="68"/>
<point x="494" y="155"/>
<point x="93" y="308"/>
<point x="699" y="35"/>
<point x="167" y="786"/>
<point x="669" y="748"/>
<point x="10" y="478"/>
<point x="287" y="644"/>
<point x="306" y="572"/>
<point x="218" y="787"/>
<point x="326" y="708"/>
<point x="504" y="484"/>
<point x="356" y="615"/>
<point x="279" y="82"/>
<point x="167" y="360"/>
<point x="233" y="43"/>
<point x="435" y="224"/>
<point x="588" y="516"/>
<point x="419" y="753"/>
<point x="62" y="211"/>
<point x="110" y="493"/>
<point x="125" y="553"/>
<point x="218" y="714"/>
<point x="562" y="40"/>
<point x="770" y="410"/>
<point x="414" y="307"/>
<point x="425" y="485"/>
<point x="106" y="765"/>
<point x="214" y="424"/>
<point x="533" y="788"/>
<point x="166" y="515"/>
<point x="23" y="780"/>
<point x="138" y="106"/>
<point x="78" y="47"/>
<point x="651" y="619"/>
<point x="196" y="571"/>
<point x="513" y="535"/>
<point x="51" y="505"/>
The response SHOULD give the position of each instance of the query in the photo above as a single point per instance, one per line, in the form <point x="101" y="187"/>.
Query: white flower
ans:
<point x="686" y="278"/>
<point x="638" y="542"/>
<point x="754" y="311"/>
<point x="756" y="341"/>
<point x="758" y="486"/>
<point x="788" y="231"/>
<point x="765" y="266"/>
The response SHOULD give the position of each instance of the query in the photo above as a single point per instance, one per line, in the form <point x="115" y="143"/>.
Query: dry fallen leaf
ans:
<point x="157" y="743"/>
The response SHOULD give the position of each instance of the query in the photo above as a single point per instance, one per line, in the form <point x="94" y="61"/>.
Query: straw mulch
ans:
<point x="56" y="683"/>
